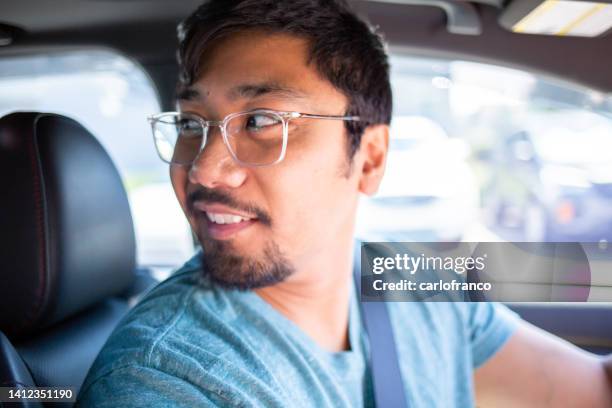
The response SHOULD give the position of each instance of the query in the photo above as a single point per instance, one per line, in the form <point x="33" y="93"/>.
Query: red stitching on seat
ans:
<point x="40" y="219"/>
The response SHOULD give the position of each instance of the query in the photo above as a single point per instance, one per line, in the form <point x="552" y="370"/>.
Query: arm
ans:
<point x="537" y="369"/>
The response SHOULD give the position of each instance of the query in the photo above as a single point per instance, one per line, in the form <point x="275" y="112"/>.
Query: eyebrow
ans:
<point x="250" y="91"/>
<point x="188" y="94"/>
<point x="246" y="91"/>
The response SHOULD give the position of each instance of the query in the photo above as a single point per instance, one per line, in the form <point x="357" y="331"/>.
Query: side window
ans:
<point x="111" y="96"/>
<point x="484" y="153"/>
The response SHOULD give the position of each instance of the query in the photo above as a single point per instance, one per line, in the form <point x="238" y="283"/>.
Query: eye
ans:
<point x="257" y="122"/>
<point x="189" y="128"/>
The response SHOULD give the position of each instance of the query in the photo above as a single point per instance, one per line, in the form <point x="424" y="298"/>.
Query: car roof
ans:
<point x="145" y="30"/>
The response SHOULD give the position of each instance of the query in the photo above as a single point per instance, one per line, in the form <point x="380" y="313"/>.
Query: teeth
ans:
<point x="225" y="218"/>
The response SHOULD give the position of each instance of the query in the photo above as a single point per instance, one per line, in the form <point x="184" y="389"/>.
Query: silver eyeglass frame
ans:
<point x="284" y="116"/>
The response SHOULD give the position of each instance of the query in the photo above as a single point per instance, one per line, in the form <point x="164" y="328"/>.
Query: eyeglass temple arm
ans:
<point x="330" y="117"/>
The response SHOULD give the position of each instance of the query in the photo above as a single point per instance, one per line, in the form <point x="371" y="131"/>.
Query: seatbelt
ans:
<point x="386" y="376"/>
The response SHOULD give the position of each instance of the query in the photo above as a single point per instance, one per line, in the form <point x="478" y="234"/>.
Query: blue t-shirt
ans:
<point x="189" y="343"/>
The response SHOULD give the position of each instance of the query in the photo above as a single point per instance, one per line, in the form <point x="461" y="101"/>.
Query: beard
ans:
<point x="226" y="269"/>
<point x="220" y="263"/>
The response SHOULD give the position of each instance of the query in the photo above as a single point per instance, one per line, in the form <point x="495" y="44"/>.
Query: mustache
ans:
<point x="210" y="196"/>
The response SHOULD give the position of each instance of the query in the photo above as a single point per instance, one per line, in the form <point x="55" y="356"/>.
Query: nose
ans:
<point x="214" y="166"/>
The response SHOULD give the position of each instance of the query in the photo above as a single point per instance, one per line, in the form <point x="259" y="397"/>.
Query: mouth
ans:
<point x="223" y="222"/>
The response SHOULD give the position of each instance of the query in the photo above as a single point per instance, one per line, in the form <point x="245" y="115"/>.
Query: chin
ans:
<point x="226" y="267"/>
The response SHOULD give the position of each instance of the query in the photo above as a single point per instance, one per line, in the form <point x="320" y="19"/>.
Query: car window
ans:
<point x="110" y="96"/>
<point x="480" y="152"/>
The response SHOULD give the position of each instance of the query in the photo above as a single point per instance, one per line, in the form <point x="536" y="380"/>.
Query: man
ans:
<point x="285" y="107"/>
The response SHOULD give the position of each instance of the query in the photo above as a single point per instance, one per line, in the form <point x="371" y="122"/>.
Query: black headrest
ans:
<point x="66" y="234"/>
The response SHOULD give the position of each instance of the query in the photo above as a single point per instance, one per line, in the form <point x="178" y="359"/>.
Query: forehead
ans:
<point x="253" y="63"/>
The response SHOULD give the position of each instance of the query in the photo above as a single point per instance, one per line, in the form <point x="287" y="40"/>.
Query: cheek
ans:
<point x="318" y="143"/>
<point x="178" y="178"/>
<point x="310" y="199"/>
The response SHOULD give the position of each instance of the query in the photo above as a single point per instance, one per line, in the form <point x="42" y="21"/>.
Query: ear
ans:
<point x="373" y="151"/>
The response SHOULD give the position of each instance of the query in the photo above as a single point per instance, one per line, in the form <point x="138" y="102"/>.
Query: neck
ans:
<point x="316" y="297"/>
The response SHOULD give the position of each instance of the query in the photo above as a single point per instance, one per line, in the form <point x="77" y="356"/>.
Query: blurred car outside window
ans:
<point x="480" y="152"/>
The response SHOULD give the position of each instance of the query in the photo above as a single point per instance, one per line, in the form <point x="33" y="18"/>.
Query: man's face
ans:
<point x="296" y="209"/>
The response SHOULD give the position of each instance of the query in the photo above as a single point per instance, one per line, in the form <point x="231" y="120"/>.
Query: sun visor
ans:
<point x="558" y="17"/>
<point x="462" y="17"/>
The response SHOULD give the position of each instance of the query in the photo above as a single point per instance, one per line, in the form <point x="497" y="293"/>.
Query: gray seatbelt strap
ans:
<point x="386" y="376"/>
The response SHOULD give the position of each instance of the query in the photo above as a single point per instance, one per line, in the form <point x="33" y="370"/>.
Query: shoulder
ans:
<point x="139" y="386"/>
<point x="478" y="329"/>
<point x="451" y="315"/>
<point x="184" y="334"/>
<point x="155" y="333"/>
<point x="138" y="334"/>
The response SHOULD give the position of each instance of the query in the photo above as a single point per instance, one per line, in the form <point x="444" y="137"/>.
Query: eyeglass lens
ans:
<point x="254" y="138"/>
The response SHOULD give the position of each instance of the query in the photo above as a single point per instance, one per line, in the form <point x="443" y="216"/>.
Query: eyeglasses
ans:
<point x="254" y="138"/>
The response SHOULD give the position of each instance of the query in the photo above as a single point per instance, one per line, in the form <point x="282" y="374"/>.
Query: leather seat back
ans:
<point x="67" y="247"/>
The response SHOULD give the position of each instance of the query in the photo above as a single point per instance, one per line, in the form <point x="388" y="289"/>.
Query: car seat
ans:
<point x="67" y="251"/>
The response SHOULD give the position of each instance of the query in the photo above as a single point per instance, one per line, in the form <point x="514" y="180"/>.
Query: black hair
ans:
<point x="344" y="49"/>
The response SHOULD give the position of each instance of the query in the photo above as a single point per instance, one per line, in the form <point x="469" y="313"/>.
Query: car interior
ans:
<point x="68" y="247"/>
